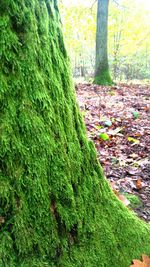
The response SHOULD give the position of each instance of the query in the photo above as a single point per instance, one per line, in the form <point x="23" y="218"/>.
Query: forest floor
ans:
<point x="118" y="121"/>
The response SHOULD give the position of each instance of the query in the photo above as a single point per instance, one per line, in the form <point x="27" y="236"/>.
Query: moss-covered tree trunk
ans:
<point x="102" y="75"/>
<point x="56" y="208"/>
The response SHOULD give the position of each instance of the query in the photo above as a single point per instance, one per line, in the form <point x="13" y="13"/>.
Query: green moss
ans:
<point x="103" y="78"/>
<point x="135" y="202"/>
<point x="57" y="207"/>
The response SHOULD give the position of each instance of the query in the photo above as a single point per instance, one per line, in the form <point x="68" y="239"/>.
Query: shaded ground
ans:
<point x="122" y="114"/>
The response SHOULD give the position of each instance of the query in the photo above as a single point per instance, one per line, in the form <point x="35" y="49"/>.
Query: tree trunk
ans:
<point x="56" y="208"/>
<point x="102" y="75"/>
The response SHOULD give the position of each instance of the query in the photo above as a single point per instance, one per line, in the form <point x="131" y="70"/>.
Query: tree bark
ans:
<point x="102" y="75"/>
<point x="56" y="207"/>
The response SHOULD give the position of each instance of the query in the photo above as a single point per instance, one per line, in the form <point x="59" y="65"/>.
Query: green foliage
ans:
<point x="57" y="207"/>
<point x="104" y="136"/>
<point x="135" y="114"/>
<point x="135" y="202"/>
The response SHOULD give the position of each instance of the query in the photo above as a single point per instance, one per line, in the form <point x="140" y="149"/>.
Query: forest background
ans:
<point x="128" y="38"/>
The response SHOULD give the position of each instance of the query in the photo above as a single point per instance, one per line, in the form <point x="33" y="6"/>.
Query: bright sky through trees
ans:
<point x="128" y="30"/>
<point x="90" y="2"/>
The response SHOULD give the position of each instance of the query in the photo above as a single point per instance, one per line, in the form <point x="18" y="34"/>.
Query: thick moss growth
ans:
<point x="102" y="77"/>
<point x="56" y="208"/>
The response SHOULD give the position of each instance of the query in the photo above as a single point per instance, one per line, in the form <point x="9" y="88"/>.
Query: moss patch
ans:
<point x="57" y="207"/>
<point x="103" y="78"/>
<point x="135" y="202"/>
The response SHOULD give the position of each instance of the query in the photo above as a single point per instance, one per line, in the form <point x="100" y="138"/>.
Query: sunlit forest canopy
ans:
<point x="128" y="37"/>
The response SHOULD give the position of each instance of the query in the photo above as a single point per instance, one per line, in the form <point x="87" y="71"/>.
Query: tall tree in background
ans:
<point x="56" y="207"/>
<point x="102" y="75"/>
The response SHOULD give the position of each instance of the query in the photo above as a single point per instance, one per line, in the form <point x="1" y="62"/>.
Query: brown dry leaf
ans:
<point x="122" y="198"/>
<point x="113" y="185"/>
<point x="144" y="263"/>
<point x="137" y="263"/>
<point x="146" y="260"/>
<point x="139" y="183"/>
<point x="147" y="108"/>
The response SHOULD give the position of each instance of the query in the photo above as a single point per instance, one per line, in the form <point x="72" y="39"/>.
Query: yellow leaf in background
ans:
<point x="133" y="140"/>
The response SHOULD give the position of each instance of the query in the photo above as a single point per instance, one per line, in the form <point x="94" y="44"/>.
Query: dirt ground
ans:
<point x="118" y="121"/>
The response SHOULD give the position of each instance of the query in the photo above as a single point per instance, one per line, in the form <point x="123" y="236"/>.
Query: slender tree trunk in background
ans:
<point x="116" y="50"/>
<point x="102" y="75"/>
<point x="56" y="207"/>
<point x="117" y="37"/>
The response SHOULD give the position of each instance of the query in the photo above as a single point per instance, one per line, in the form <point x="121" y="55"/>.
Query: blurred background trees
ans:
<point x="128" y="38"/>
<point x="101" y="74"/>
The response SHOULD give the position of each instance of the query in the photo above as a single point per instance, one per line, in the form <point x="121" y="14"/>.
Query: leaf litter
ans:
<point x="118" y="121"/>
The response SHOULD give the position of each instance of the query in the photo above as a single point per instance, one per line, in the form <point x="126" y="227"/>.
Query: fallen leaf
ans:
<point x="115" y="131"/>
<point x="122" y="198"/>
<point x="139" y="183"/>
<point x="144" y="263"/>
<point x="108" y="123"/>
<point x="133" y="171"/>
<point x="135" y="114"/>
<point x="146" y="260"/>
<point x="133" y="140"/>
<point x="137" y="263"/>
<point x="134" y="156"/>
<point x="104" y="136"/>
<point x="147" y="108"/>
